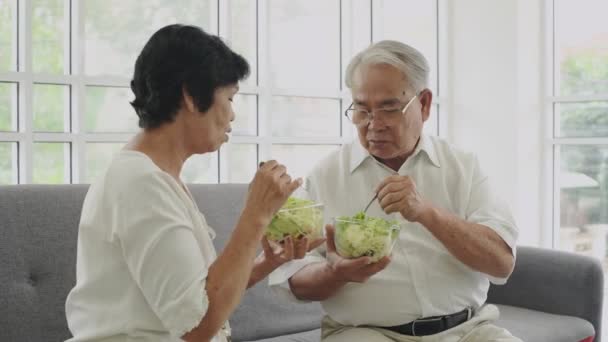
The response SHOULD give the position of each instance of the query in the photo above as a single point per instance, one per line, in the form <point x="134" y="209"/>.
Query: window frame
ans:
<point x="552" y="157"/>
<point x="77" y="137"/>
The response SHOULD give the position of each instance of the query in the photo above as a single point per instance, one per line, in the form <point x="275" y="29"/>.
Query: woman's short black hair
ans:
<point x="181" y="56"/>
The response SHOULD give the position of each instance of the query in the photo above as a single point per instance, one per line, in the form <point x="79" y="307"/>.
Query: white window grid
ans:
<point x="77" y="81"/>
<point x="553" y="143"/>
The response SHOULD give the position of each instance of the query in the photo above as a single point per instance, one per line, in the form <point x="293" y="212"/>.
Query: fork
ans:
<point x="370" y="203"/>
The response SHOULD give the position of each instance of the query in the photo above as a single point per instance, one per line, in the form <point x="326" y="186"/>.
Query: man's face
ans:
<point x="389" y="134"/>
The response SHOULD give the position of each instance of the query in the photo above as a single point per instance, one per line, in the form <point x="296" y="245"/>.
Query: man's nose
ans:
<point x="376" y="123"/>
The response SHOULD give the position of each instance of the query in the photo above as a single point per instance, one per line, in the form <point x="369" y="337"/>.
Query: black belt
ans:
<point x="432" y="325"/>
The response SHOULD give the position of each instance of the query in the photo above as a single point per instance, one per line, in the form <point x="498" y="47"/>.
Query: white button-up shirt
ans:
<point x="144" y="250"/>
<point x="423" y="278"/>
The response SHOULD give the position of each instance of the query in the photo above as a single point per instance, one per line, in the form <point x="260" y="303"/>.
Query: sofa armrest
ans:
<point x="555" y="282"/>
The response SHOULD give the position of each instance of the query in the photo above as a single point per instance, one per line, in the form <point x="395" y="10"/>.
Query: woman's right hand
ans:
<point x="269" y="190"/>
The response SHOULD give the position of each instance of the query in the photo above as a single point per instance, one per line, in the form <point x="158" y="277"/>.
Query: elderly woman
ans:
<point x="146" y="266"/>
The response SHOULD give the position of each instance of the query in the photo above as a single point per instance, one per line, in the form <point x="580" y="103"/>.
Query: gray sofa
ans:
<point x="552" y="296"/>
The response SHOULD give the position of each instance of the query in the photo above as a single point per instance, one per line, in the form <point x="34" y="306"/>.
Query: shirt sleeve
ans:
<point x="485" y="208"/>
<point x="162" y="253"/>
<point x="278" y="280"/>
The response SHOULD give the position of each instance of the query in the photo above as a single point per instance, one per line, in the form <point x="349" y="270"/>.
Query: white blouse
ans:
<point x="144" y="250"/>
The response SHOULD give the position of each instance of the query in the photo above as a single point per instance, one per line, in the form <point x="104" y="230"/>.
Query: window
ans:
<point x="65" y="67"/>
<point x="580" y="120"/>
<point x="8" y="163"/>
<point x="579" y="116"/>
<point x="415" y="23"/>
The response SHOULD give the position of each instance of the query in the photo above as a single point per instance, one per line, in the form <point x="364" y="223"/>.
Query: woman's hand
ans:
<point x="268" y="191"/>
<point x="276" y="254"/>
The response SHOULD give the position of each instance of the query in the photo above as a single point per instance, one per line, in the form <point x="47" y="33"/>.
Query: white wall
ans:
<point x="495" y="96"/>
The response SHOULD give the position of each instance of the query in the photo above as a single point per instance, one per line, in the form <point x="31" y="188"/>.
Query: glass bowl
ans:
<point x="297" y="221"/>
<point x="372" y="237"/>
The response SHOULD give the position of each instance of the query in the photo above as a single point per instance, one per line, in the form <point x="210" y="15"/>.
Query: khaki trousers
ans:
<point x="478" y="328"/>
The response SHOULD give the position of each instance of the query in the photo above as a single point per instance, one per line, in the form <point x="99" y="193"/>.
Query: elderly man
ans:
<point x="457" y="237"/>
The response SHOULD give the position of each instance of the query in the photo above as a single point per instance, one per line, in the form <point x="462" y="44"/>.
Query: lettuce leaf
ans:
<point x="362" y="235"/>
<point x="297" y="218"/>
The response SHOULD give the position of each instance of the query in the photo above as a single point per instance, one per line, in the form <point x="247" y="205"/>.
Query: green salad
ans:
<point x="297" y="218"/>
<point x="362" y="235"/>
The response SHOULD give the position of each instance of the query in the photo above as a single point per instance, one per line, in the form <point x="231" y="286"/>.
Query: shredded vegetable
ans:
<point x="362" y="235"/>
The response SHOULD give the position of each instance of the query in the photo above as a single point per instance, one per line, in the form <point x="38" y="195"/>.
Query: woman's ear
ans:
<point x="188" y="100"/>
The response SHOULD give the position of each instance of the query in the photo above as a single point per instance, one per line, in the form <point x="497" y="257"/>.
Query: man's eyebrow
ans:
<point x="389" y="102"/>
<point x="386" y="102"/>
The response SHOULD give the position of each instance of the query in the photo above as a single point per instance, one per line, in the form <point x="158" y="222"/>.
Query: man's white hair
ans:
<point x="405" y="58"/>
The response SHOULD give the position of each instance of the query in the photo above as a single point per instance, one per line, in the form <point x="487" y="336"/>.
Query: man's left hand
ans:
<point x="398" y="194"/>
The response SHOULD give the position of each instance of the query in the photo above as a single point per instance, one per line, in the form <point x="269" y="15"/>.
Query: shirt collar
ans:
<point x="360" y="154"/>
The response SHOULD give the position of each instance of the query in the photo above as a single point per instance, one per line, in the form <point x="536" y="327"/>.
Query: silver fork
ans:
<point x="370" y="203"/>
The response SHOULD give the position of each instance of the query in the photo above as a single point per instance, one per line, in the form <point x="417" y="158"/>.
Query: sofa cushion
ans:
<point x="559" y="282"/>
<point x="261" y="314"/>
<point x="38" y="230"/>
<point x="531" y="325"/>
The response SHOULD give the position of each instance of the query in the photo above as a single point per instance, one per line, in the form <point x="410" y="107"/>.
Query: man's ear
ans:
<point x="188" y="100"/>
<point x="426" y="101"/>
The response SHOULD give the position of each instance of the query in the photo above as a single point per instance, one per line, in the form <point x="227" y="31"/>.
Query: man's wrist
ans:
<point x="332" y="275"/>
<point x="429" y="216"/>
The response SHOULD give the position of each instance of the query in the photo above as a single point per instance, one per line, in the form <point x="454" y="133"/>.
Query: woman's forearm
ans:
<point x="229" y="276"/>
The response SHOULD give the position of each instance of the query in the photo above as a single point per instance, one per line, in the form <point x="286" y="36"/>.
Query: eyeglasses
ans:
<point x="389" y="115"/>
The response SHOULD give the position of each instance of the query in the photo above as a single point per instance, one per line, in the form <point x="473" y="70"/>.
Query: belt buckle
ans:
<point x="423" y="321"/>
<point x="469" y="313"/>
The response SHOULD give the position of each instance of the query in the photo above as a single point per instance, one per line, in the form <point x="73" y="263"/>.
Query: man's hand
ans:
<point x="398" y="194"/>
<point x="321" y="280"/>
<point x="357" y="270"/>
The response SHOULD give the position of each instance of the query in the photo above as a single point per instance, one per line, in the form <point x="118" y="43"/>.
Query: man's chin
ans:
<point x="382" y="156"/>
<point x="381" y="150"/>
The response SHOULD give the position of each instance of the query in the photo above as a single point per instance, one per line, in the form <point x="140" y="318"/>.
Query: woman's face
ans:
<point x="207" y="131"/>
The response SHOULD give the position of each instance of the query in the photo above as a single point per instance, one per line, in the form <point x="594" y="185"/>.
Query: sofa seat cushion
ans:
<point x="308" y="336"/>
<point x="531" y="325"/>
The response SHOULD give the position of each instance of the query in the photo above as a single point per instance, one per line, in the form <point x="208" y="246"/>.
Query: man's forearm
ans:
<point x="315" y="282"/>
<point x="475" y="245"/>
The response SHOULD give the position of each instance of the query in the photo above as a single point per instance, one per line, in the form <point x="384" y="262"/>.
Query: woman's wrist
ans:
<point x="266" y="264"/>
<point x="262" y="267"/>
<point x="254" y="219"/>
